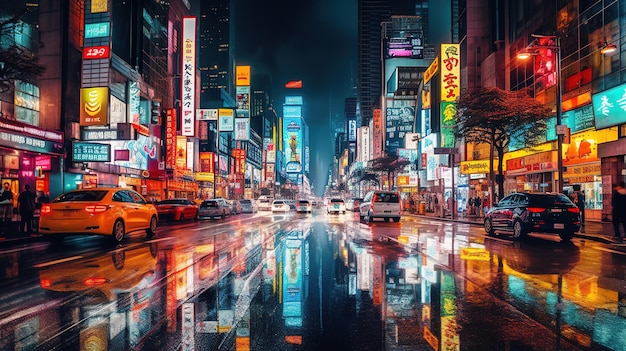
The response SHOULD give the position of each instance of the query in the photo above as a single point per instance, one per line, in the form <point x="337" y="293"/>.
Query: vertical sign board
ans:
<point x="170" y="138"/>
<point x="187" y="89"/>
<point x="378" y="133"/>
<point x="94" y="103"/>
<point x="450" y="90"/>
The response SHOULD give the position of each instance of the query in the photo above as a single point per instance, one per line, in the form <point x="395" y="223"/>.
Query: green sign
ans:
<point x="91" y="152"/>
<point x="97" y="30"/>
<point x="448" y="120"/>
<point x="609" y="107"/>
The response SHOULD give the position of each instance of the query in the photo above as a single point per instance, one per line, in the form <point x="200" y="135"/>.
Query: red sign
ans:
<point x="240" y="160"/>
<point x="170" y="138"/>
<point x="96" y="52"/>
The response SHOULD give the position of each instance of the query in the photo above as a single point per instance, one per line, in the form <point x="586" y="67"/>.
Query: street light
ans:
<point x="554" y="46"/>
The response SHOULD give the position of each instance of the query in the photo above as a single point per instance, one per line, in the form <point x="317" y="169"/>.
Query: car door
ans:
<point x="498" y="214"/>
<point x="131" y="209"/>
<point x="143" y="211"/>
<point x="513" y="210"/>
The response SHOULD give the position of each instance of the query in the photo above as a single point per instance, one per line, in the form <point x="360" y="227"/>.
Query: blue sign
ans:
<point x="91" y="152"/>
<point x="97" y="30"/>
<point x="609" y="107"/>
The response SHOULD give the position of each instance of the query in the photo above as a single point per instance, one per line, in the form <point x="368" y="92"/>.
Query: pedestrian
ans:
<point x="477" y="203"/>
<point x="6" y="208"/>
<point x="618" y="211"/>
<point x="579" y="199"/>
<point x="26" y="206"/>
<point x="485" y="204"/>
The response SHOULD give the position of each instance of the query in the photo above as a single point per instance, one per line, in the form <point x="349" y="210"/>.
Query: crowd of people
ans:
<point x="28" y="203"/>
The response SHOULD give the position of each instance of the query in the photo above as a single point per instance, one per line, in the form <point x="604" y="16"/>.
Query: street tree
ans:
<point x="500" y="118"/>
<point x="388" y="165"/>
<point x="16" y="63"/>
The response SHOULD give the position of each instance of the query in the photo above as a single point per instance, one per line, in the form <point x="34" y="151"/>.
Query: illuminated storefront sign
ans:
<point x="609" y="107"/>
<point x="94" y="106"/>
<point x="477" y="166"/>
<point x="450" y="72"/>
<point x="170" y="138"/>
<point x="96" y="52"/>
<point x="91" y="152"/>
<point x="98" y="134"/>
<point x="97" y="30"/>
<point x="188" y="80"/>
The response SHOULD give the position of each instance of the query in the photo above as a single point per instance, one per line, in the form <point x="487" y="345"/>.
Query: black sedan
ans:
<point x="522" y="213"/>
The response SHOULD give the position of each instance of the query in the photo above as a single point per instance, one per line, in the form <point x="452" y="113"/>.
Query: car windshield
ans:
<point x="245" y="202"/>
<point x="92" y="195"/>
<point x="303" y="202"/>
<point x="337" y="200"/>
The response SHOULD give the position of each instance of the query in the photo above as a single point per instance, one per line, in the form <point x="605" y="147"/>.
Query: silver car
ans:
<point x="214" y="208"/>
<point x="248" y="206"/>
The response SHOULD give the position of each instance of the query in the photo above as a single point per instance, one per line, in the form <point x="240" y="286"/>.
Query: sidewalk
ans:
<point x="593" y="230"/>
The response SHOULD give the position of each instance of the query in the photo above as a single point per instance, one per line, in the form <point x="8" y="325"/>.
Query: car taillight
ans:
<point x="93" y="281"/>
<point x="45" y="283"/>
<point x="573" y="209"/>
<point x="536" y="209"/>
<point x="374" y="198"/>
<point x="96" y="209"/>
<point x="45" y="209"/>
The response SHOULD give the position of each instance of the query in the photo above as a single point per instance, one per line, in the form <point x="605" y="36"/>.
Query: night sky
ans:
<point x="314" y="41"/>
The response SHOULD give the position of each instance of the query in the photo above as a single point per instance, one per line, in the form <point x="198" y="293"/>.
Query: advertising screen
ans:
<point x="609" y="107"/>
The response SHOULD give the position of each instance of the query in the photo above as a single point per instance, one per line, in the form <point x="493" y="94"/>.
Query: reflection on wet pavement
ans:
<point x="321" y="284"/>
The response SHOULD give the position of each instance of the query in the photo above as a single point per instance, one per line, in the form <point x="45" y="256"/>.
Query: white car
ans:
<point x="304" y="206"/>
<point x="280" y="206"/>
<point x="336" y="205"/>
<point x="381" y="204"/>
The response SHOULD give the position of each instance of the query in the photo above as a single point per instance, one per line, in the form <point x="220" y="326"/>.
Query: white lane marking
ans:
<point x="45" y="264"/>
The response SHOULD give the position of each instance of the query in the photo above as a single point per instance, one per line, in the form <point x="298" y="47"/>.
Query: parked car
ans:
<point x="248" y="206"/>
<point x="103" y="211"/>
<point x="381" y="204"/>
<point x="177" y="209"/>
<point x="235" y="207"/>
<point x="353" y="204"/>
<point x="336" y="205"/>
<point x="214" y="208"/>
<point x="264" y="203"/>
<point x="523" y="213"/>
<point x="304" y="206"/>
<point x="280" y="206"/>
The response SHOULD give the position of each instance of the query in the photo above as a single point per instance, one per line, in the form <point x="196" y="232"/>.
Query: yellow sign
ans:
<point x="450" y="72"/>
<point x="478" y="166"/>
<point x="94" y="104"/>
<point x="431" y="70"/>
<point x="98" y="6"/>
<point x="205" y="176"/>
<point x="242" y="74"/>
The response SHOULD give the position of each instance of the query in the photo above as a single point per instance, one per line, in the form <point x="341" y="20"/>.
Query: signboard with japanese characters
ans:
<point x="94" y="103"/>
<point x="188" y="79"/>
<point x="91" y="152"/>
<point x="450" y="72"/>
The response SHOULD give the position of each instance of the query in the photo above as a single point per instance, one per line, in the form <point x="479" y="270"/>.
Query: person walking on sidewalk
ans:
<point x="6" y="208"/>
<point x="618" y="212"/>
<point x="26" y="205"/>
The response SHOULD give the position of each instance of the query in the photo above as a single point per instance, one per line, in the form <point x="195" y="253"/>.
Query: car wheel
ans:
<point x="152" y="228"/>
<point x="566" y="236"/>
<point x="489" y="227"/>
<point x="518" y="230"/>
<point x="396" y="219"/>
<point x="118" y="231"/>
<point x="369" y="217"/>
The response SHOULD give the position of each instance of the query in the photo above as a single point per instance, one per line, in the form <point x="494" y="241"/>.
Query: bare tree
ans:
<point x="497" y="117"/>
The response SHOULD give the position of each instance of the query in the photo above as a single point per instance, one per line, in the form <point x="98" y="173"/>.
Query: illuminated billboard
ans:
<point x="292" y="138"/>
<point x="609" y="107"/>
<point x="450" y="72"/>
<point x="94" y="104"/>
<point x="293" y="100"/>
<point x="292" y="111"/>
<point x="243" y="101"/>
<point x="242" y="74"/>
<point x="412" y="47"/>
<point x="188" y="79"/>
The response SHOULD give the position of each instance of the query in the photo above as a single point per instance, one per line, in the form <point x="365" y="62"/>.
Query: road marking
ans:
<point x="45" y="264"/>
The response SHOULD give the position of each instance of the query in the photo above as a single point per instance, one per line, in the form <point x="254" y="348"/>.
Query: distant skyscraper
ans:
<point x="214" y="61"/>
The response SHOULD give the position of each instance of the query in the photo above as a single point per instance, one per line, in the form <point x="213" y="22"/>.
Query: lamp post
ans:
<point x="531" y="50"/>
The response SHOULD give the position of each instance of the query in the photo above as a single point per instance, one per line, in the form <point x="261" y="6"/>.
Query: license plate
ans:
<point x="559" y="226"/>
<point x="557" y="210"/>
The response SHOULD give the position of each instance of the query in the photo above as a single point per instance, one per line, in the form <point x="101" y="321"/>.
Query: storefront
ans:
<point x="30" y="155"/>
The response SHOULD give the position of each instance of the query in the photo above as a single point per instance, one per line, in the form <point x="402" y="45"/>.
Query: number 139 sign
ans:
<point x="96" y="52"/>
